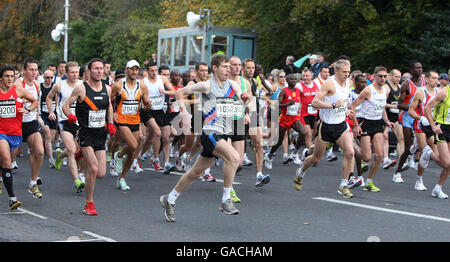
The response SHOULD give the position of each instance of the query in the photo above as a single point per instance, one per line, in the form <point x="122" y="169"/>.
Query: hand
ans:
<point x="72" y="118"/>
<point x="424" y="121"/>
<point x="112" y="129"/>
<point x="339" y="103"/>
<point x="244" y="97"/>
<point x="357" y="130"/>
<point x="186" y="121"/>
<point x="390" y="124"/>
<point x="52" y="116"/>
<point x="247" y="119"/>
<point x="147" y="103"/>
<point x="116" y="117"/>
<point x="437" y="130"/>
<point x="161" y="90"/>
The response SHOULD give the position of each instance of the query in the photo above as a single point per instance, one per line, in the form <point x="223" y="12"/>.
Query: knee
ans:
<point x="378" y="157"/>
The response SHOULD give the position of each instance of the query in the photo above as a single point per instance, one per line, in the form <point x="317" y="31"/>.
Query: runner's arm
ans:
<point x="436" y="100"/>
<point x="404" y="91"/>
<point x="418" y="96"/>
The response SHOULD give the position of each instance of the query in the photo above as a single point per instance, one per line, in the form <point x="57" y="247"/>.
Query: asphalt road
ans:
<point x="275" y="212"/>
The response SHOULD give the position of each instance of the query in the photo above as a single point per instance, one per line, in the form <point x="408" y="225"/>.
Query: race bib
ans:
<point x="394" y="110"/>
<point x="45" y="108"/>
<point x="225" y="106"/>
<point x="130" y="107"/>
<point x="73" y="108"/>
<point x="157" y="102"/>
<point x="293" y="109"/>
<point x="312" y="110"/>
<point x="447" y="119"/>
<point x="97" y="118"/>
<point x="238" y="109"/>
<point x="380" y="105"/>
<point x="7" y="108"/>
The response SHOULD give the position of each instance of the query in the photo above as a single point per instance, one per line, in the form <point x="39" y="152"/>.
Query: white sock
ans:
<point x="437" y="187"/>
<point x="259" y="174"/>
<point x="369" y="180"/>
<point x="226" y="194"/>
<point x="302" y="173"/>
<point x="173" y="197"/>
<point x="33" y="183"/>
<point x="344" y="183"/>
<point x="419" y="178"/>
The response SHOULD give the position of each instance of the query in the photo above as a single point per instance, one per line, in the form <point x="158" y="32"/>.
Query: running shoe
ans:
<point x="169" y="209"/>
<point x="234" y="197"/>
<point x="345" y="192"/>
<point x="122" y="185"/>
<point x="296" y="158"/>
<point x="364" y="167"/>
<point x="304" y="154"/>
<point x="331" y="157"/>
<point x="34" y="190"/>
<point x="65" y="161"/>
<point x="261" y="180"/>
<point x="137" y="169"/>
<point x="188" y="164"/>
<point x="14" y="165"/>
<point x="79" y="185"/>
<point x="371" y="187"/>
<point x="82" y="177"/>
<point x="228" y="208"/>
<point x="59" y="160"/>
<point x="397" y="178"/>
<point x="438" y="193"/>
<point x="355" y="181"/>
<point x="118" y="163"/>
<point x="298" y="181"/>
<point x="108" y="157"/>
<point x="216" y="163"/>
<point x="168" y="167"/>
<point x="178" y="163"/>
<point x="89" y="209"/>
<point x="286" y="158"/>
<point x="389" y="163"/>
<point x="268" y="163"/>
<point x="51" y="162"/>
<point x="419" y="186"/>
<point x="247" y="162"/>
<point x="14" y="203"/>
<point x="156" y="165"/>
<point x="207" y="177"/>
<point x="425" y="157"/>
<point x="39" y="181"/>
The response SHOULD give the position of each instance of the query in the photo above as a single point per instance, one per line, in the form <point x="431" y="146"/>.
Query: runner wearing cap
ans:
<point x="129" y="94"/>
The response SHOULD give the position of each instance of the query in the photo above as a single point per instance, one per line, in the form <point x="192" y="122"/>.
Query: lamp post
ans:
<point x="63" y="29"/>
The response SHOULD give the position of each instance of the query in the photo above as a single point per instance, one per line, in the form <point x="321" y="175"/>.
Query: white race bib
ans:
<point x="238" y="109"/>
<point x="447" y="119"/>
<point x="312" y="110"/>
<point x="97" y="118"/>
<point x="157" y="102"/>
<point x="293" y="109"/>
<point x="225" y="106"/>
<point x="7" y="108"/>
<point x="130" y="107"/>
<point x="394" y="110"/>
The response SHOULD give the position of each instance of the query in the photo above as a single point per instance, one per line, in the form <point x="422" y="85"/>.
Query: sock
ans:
<point x="369" y="180"/>
<point x="89" y="202"/>
<point x="226" y="194"/>
<point x="350" y="175"/>
<point x="437" y="187"/>
<point x="285" y="155"/>
<point x="8" y="181"/>
<point x="259" y="174"/>
<point x="173" y="197"/>
<point x="302" y="173"/>
<point x="33" y="183"/>
<point x="419" y="178"/>
<point x="344" y="183"/>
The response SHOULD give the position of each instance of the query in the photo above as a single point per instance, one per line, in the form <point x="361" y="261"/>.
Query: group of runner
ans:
<point x="223" y="110"/>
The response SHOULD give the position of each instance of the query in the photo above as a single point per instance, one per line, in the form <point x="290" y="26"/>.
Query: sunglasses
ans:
<point x="48" y="77"/>
<point x="281" y="76"/>
<point x="384" y="76"/>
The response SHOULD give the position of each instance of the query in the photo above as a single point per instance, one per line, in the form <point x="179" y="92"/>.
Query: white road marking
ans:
<point x="99" y="237"/>
<point x="31" y="213"/>
<point x="180" y="174"/>
<point x="443" y="219"/>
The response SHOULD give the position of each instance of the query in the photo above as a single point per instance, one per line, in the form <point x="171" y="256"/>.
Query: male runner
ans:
<point x="49" y="127"/>
<point x="94" y="114"/>
<point x="441" y="115"/>
<point x="374" y="120"/>
<point x="62" y="90"/>
<point x="130" y="94"/>
<point x="12" y="109"/>
<point x="217" y="108"/>
<point x="407" y="91"/>
<point x="30" y="125"/>
<point x="332" y="100"/>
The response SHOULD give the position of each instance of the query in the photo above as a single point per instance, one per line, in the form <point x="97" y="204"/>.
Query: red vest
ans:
<point x="307" y="97"/>
<point x="10" y="118"/>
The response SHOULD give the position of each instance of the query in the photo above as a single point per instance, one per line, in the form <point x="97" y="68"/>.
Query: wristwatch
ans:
<point x="334" y="106"/>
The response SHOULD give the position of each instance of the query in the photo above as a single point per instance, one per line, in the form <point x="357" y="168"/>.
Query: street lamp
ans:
<point x="63" y="29"/>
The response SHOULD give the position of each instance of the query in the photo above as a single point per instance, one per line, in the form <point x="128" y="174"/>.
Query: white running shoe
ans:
<point x="389" y="163"/>
<point x="420" y="186"/>
<point x="137" y="169"/>
<point x="268" y="163"/>
<point x="207" y="177"/>
<point x="247" y="162"/>
<point x="122" y="185"/>
<point x="439" y="194"/>
<point x="51" y="162"/>
<point x="397" y="178"/>
<point x="296" y="158"/>
<point x="331" y="157"/>
<point x="82" y="177"/>
<point x="65" y="161"/>
<point x="14" y="165"/>
<point x="425" y="157"/>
